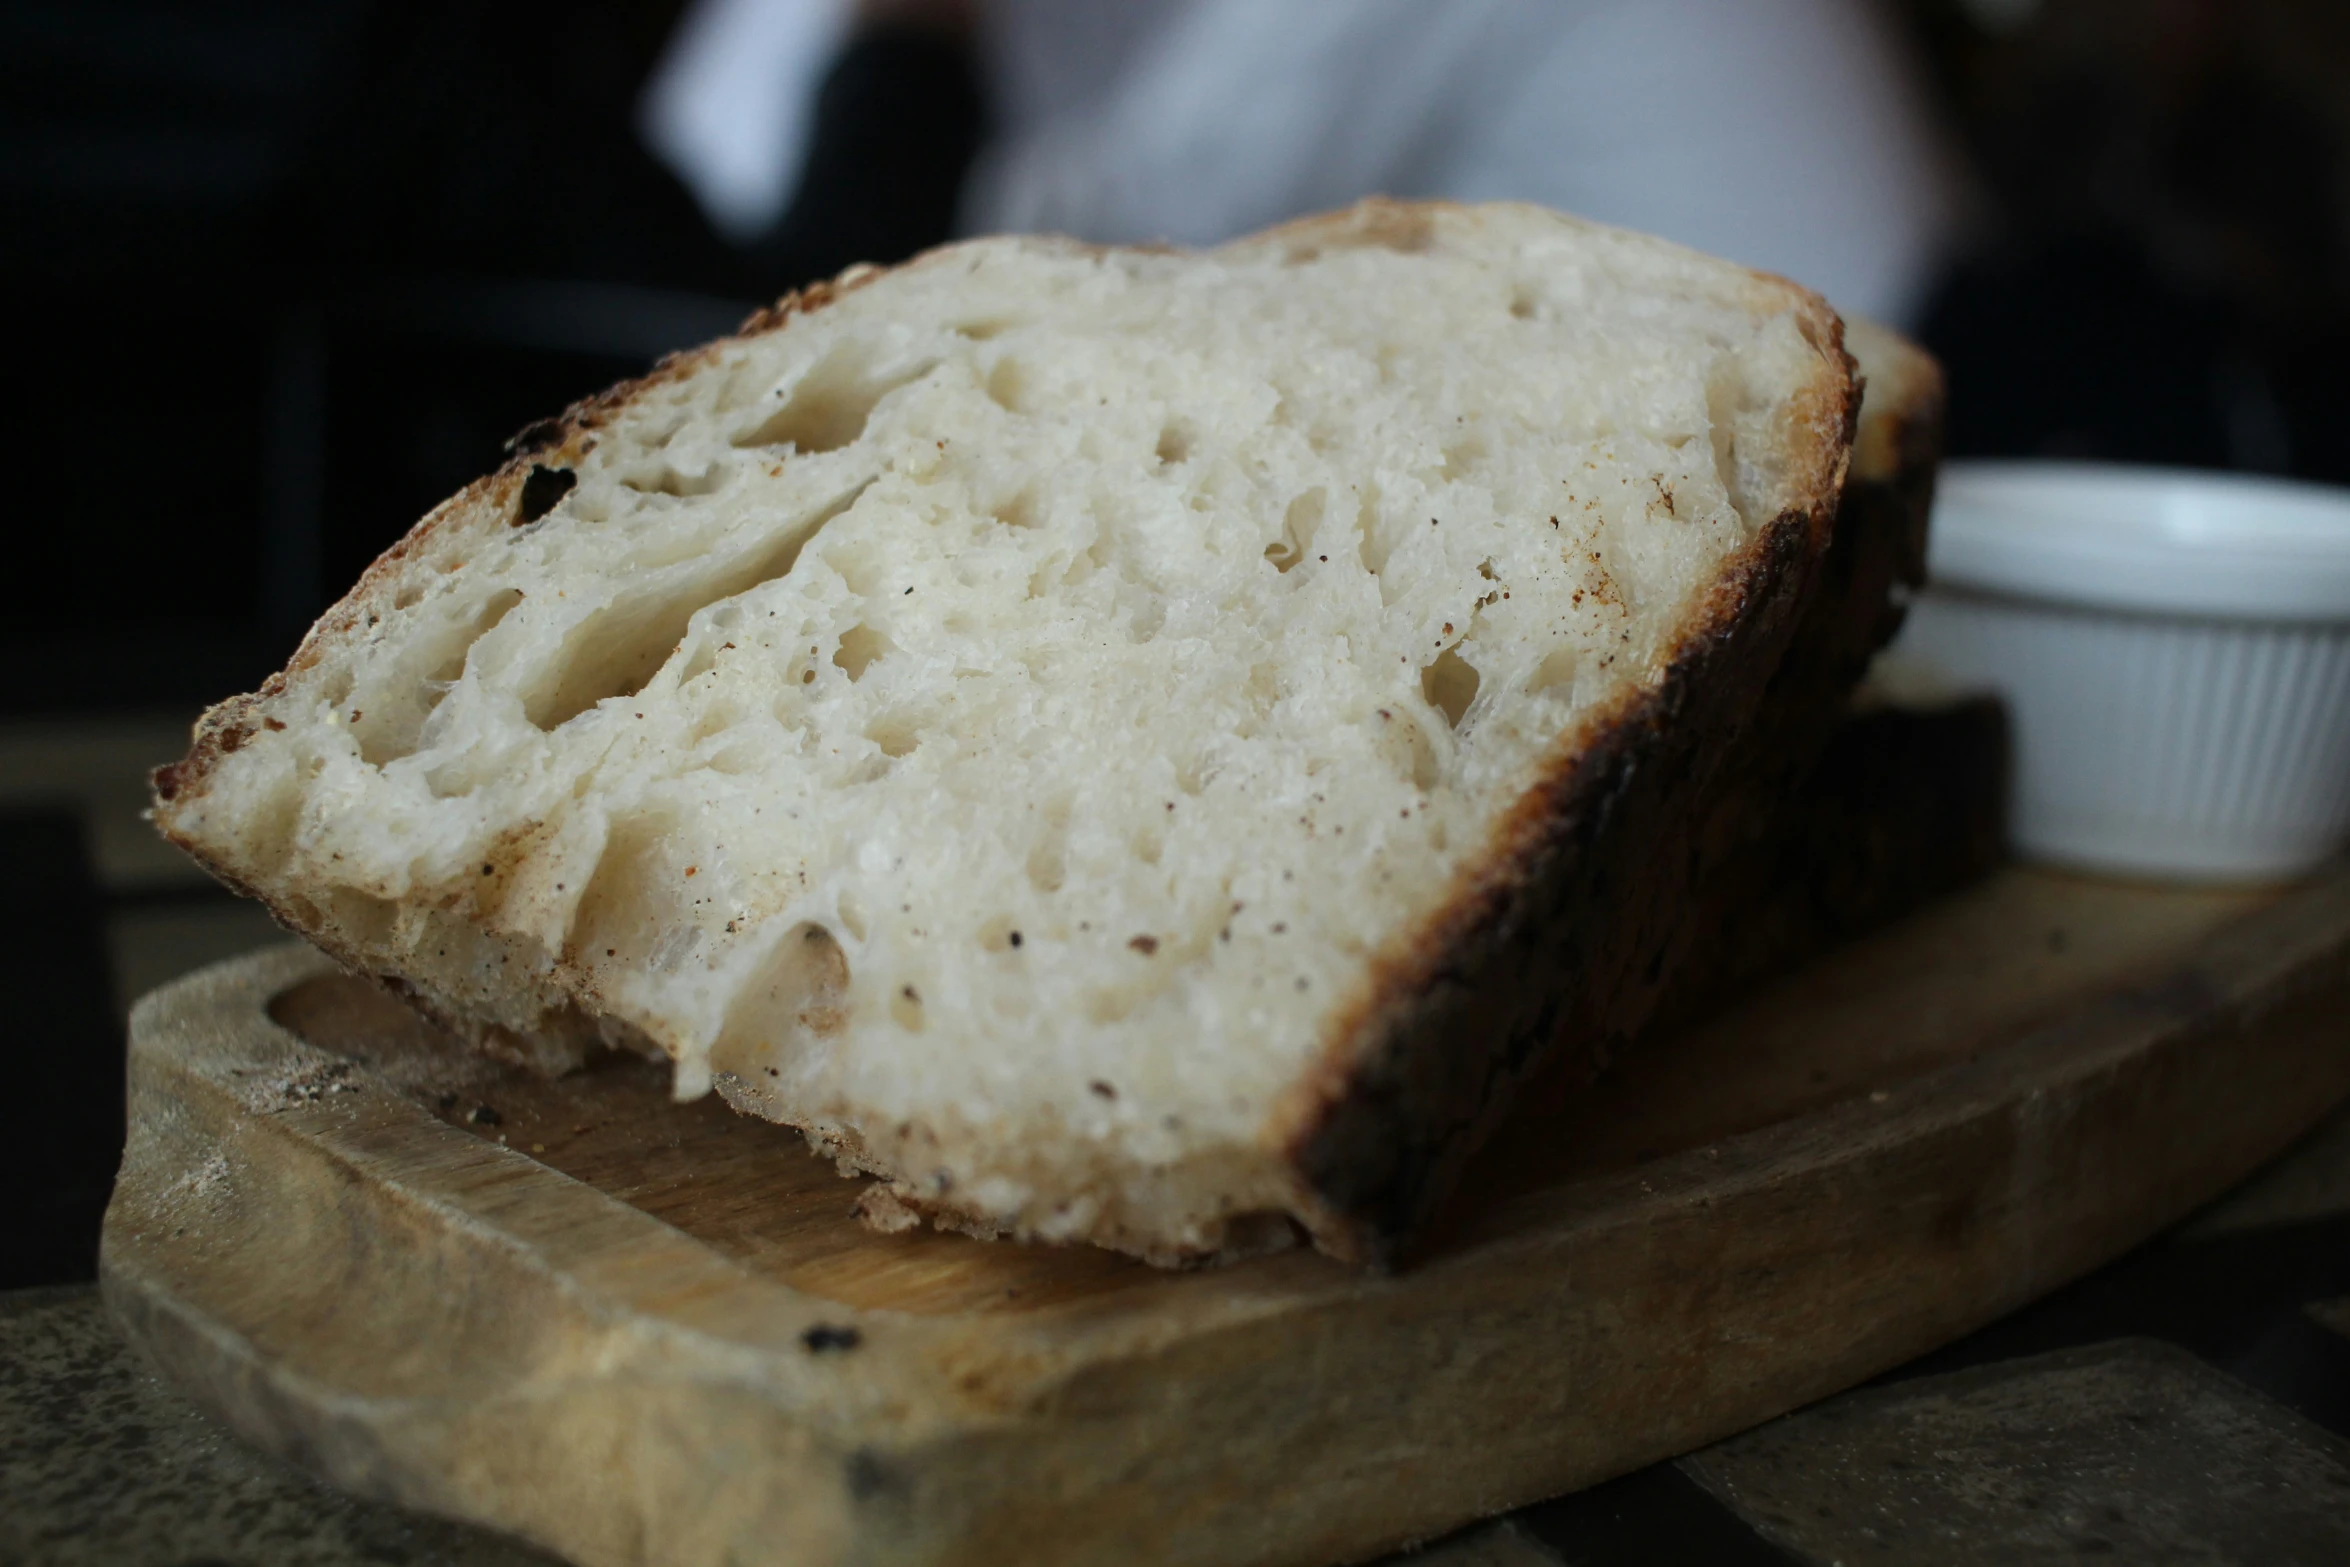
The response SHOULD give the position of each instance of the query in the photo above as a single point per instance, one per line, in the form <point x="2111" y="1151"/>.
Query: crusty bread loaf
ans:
<point x="1128" y="746"/>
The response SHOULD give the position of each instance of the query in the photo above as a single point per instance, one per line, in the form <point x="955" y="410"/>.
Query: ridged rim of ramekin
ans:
<point x="2153" y="540"/>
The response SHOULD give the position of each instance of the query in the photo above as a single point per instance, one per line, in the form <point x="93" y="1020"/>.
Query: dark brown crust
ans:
<point x="1744" y="847"/>
<point x="1538" y="958"/>
<point x="1559" y="942"/>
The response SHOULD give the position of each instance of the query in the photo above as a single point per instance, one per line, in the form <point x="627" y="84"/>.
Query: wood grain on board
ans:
<point x="641" y="1331"/>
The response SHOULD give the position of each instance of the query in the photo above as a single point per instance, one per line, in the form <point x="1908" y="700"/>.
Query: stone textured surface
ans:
<point x="2132" y="1450"/>
<point x="102" y="1463"/>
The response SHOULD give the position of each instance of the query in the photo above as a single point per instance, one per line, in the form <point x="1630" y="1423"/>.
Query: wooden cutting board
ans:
<point x="638" y="1331"/>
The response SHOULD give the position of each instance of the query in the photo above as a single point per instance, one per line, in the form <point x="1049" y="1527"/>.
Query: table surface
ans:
<point x="2189" y="1402"/>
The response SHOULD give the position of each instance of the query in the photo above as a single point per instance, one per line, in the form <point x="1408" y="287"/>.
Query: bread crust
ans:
<point x="1751" y="836"/>
<point x="1552" y="943"/>
<point x="1563" y="940"/>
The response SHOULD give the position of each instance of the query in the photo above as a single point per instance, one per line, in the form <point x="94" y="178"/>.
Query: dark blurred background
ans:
<point x="2163" y="274"/>
<point x="282" y="274"/>
<point x="285" y="274"/>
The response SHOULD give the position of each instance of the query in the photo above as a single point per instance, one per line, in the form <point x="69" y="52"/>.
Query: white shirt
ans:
<point x="1785" y="134"/>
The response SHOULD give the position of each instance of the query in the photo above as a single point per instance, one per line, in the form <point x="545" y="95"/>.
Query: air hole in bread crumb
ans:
<point x="717" y="716"/>
<point x="738" y="758"/>
<point x="543" y="488"/>
<point x="485" y="619"/>
<point x="980" y="331"/>
<point x="860" y="645"/>
<point x="1463" y="458"/>
<point x="1007" y="385"/>
<point x="905" y="1008"/>
<point x="1297" y="525"/>
<point x="1450" y="685"/>
<point x="804" y="991"/>
<point x="829" y="407"/>
<point x="869" y="571"/>
<point x="1370" y="548"/>
<point x="816" y="971"/>
<point x="1175" y="440"/>
<point x="665" y="479"/>
<point x="618" y="649"/>
<point x="1021" y="511"/>
<point x="703" y="659"/>
<point x="397" y="709"/>
<point x="1555" y="672"/>
<point x="632" y="892"/>
<point x="852" y="916"/>
<point x="1524" y="305"/>
<point x="897" y="736"/>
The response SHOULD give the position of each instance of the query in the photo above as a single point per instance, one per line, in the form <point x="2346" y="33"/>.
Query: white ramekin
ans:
<point x="2174" y="649"/>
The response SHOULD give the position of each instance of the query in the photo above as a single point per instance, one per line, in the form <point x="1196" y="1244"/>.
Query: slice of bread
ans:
<point x="1128" y="746"/>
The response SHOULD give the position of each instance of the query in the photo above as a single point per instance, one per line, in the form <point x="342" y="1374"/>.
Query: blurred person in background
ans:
<point x="2143" y="259"/>
<point x="1787" y="134"/>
